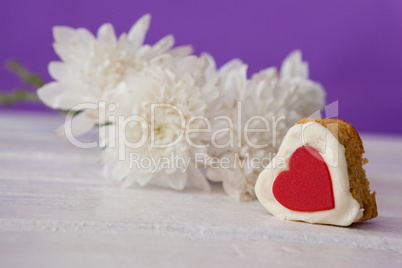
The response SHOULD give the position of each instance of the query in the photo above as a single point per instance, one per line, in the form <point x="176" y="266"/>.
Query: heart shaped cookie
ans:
<point x="317" y="176"/>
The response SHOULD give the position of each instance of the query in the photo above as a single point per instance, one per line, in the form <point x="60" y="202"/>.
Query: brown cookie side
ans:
<point x="354" y="150"/>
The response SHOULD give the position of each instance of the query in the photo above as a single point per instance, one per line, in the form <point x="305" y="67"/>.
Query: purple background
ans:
<point x="354" y="48"/>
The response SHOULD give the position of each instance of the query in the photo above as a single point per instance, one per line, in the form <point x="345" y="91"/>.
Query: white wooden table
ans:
<point x="56" y="210"/>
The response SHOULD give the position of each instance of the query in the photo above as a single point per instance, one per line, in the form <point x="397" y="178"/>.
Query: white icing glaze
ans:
<point x="347" y="209"/>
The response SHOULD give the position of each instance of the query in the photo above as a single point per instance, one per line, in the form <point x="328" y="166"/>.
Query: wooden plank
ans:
<point x="53" y="196"/>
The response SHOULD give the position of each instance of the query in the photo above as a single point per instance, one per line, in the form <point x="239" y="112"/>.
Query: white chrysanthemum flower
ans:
<point x="282" y="99"/>
<point x="92" y="67"/>
<point x="230" y="83"/>
<point x="202" y="69"/>
<point x="159" y="104"/>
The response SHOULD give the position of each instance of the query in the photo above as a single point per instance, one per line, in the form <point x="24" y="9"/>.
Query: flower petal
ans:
<point x="107" y="168"/>
<point x="63" y="34"/>
<point x="164" y="44"/>
<point x="50" y="94"/>
<point x="58" y="96"/>
<point x="64" y="52"/>
<point x="120" y="170"/>
<point x="85" y="36"/>
<point x="137" y="33"/>
<point x="215" y="174"/>
<point x="106" y="34"/>
<point x="294" y="66"/>
<point x="182" y="51"/>
<point x="81" y="124"/>
<point x="187" y="66"/>
<point x="235" y="184"/>
<point x="230" y="66"/>
<point x="58" y="70"/>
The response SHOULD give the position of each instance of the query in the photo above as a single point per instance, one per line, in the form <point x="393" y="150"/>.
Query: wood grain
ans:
<point x="57" y="210"/>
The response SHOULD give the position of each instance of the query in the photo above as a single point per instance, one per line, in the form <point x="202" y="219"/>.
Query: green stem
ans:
<point x="24" y="74"/>
<point x="17" y="96"/>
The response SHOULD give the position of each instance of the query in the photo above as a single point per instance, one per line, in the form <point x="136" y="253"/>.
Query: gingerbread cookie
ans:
<point x="318" y="176"/>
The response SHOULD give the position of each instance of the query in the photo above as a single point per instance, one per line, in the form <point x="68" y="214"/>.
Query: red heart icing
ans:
<point x="307" y="185"/>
